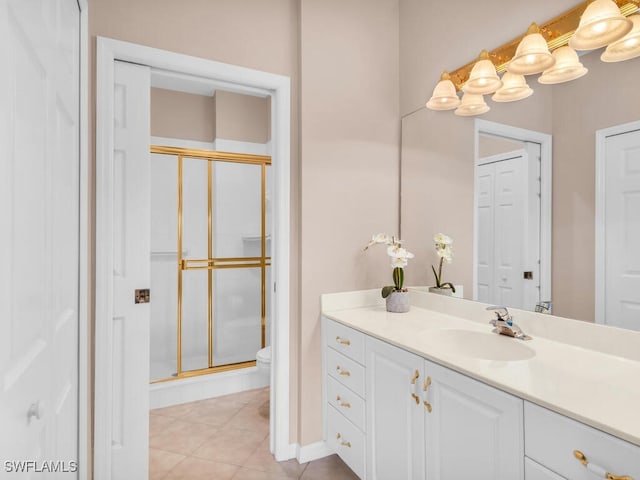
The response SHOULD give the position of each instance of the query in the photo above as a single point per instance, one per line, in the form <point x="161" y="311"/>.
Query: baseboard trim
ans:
<point x="313" y="451"/>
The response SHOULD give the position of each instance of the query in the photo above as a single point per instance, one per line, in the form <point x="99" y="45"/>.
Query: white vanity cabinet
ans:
<point x="472" y="430"/>
<point x="344" y="393"/>
<point x="421" y="420"/>
<point x="395" y="414"/>
<point x="551" y="440"/>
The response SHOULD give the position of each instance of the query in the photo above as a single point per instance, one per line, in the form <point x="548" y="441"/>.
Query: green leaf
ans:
<point x="386" y="291"/>
<point x="398" y="277"/>
<point x="436" y="275"/>
<point x="453" y="289"/>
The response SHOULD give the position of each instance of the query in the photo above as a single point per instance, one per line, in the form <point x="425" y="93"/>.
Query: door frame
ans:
<point x="229" y="77"/>
<point x="600" y="219"/>
<point x="546" y="163"/>
<point x="84" y="283"/>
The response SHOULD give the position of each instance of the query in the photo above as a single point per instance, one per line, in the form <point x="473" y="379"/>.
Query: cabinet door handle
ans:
<point x="412" y="387"/>
<point x="343" y="404"/>
<point x="343" y="341"/>
<point x="343" y="443"/>
<point x="346" y="373"/>
<point x="598" y="470"/>
<point x="425" y="388"/>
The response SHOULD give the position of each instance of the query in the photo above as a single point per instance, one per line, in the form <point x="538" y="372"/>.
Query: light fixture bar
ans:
<point x="556" y="32"/>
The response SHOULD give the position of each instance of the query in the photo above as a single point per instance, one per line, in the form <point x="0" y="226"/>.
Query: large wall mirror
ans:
<point x="447" y="161"/>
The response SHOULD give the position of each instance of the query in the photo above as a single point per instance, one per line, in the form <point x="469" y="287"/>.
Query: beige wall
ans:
<point x="350" y="141"/>
<point x="242" y="117"/>
<point x="438" y="147"/>
<point x="344" y="137"/>
<point x="182" y="115"/>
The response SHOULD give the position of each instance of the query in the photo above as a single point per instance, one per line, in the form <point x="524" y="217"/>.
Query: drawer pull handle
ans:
<point x="346" y="373"/>
<point x="343" y="404"/>
<point x="343" y="443"/>
<point x="598" y="470"/>
<point x="415" y="377"/>
<point x="343" y="341"/>
<point x="413" y="387"/>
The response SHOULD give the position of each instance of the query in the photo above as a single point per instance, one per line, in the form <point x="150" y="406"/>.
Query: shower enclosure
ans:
<point x="210" y="261"/>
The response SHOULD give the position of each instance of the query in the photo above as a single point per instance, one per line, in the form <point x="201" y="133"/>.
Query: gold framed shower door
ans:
<point x="212" y="263"/>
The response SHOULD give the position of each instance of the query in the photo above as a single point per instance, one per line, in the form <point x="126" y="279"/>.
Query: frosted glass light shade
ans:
<point x="566" y="68"/>
<point x="483" y="78"/>
<point x="444" y="95"/>
<point x="514" y="87"/>
<point x="627" y="47"/>
<point x="532" y="55"/>
<point x="472" y="104"/>
<point x="600" y="24"/>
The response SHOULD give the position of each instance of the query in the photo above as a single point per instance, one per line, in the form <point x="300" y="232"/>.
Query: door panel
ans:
<point x="40" y="248"/>
<point x="622" y="227"/>
<point x="131" y="271"/>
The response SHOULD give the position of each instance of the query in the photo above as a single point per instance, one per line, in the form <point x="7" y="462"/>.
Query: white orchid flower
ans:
<point x="442" y="239"/>
<point x="379" y="238"/>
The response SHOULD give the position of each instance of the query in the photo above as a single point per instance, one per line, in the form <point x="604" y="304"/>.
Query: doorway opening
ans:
<point x="119" y="445"/>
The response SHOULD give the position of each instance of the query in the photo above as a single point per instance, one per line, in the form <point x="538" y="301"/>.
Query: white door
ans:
<point x="131" y="271"/>
<point x="473" y="431"/>
<point x="395" y="434"/>
<point x="39" y="237"/>
<point x="622" y="230"/>
<point x="508" y="229"/>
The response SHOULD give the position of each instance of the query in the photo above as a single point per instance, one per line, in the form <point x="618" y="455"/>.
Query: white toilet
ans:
<point x="263" y="359"/>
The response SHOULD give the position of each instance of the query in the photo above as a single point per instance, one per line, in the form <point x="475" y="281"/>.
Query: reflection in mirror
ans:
<point x="438" y="177"/>
<point x="507" y="233"/>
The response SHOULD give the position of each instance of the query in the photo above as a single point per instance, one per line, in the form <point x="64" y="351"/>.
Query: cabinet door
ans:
<point x="395" y="418"/>
<point x="535" y="471"/>
<point x="473" y="430"/>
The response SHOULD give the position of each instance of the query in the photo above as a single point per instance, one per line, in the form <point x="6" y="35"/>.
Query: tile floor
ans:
<point x="226" y="438"/>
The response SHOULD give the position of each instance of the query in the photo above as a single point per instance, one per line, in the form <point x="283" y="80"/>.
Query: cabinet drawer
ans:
<point x="551" y="438"/>
<point x="346" y="440"/>
<point x="346" y="402"/>
<point x="346" y="371"/>
<point x="346" y="340"/>
<point x="535" y="471"/>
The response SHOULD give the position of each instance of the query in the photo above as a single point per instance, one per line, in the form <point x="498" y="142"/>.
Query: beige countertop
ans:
<point x="588" y="372"/>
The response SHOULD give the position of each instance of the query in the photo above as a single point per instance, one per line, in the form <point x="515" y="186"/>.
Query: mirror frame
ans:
<point x="487" y="127"/>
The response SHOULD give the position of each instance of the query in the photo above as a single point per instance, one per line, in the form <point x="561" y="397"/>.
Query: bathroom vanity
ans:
<point x="434" y="394"/>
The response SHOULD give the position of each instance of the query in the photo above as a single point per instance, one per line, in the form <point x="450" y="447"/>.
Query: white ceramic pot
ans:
<point x="398" y="302"/>
<point x="441" y="291"/>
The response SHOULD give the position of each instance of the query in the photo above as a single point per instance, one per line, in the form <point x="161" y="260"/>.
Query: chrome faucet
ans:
<point x="504" y="323"/>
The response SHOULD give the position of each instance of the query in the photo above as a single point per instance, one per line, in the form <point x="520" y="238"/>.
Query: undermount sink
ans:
<point x="482" y="345"/>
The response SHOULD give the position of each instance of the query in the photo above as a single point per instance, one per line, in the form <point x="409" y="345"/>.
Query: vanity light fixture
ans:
<point x="600" y="24"/>
<point x="566" y="68"/>
<point x="444" y="95"/>
<point x="514" y="87"/>
<point x="532" y="55"/>
<point x="472" y="104"/>
<point x="627" y="47"/>
<point x="483" y="78"/>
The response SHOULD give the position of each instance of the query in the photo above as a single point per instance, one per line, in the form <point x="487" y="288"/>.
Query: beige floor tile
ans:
<point x="211" y="415"/>
<point x="157" y="475"/>
<point x="328" y="468"/>
<point x="263" y="460"/>
<point x="159" y="424"/>
<point x="250" y="474"/>
<point x="230" y="445"/>
<point x="161" y="461"/>
<point x="175" y="411"/>
<point x="251" y="417"/>
<point x="199" y="469"/>
<point x="182" y="437"/>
